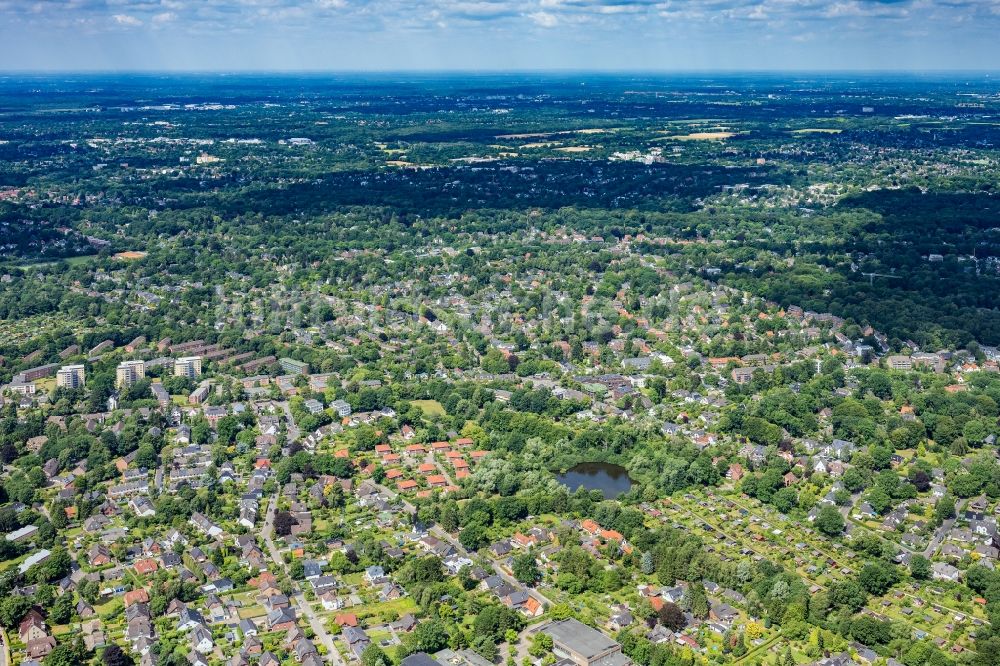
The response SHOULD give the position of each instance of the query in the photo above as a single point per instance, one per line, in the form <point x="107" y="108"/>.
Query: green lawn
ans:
<point x="429" y="407"/>
<point x="354" y="578"/>
<point x="377" y="636"/>
<point x="399" y="606"/>
<point x="72" y="261"/>
<point x="251" y="611"/>
<point x="108" y="608"/>
<point x="13" y="563"/>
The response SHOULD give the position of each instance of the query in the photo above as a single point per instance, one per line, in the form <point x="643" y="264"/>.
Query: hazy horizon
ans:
<point x="499" y="35"/>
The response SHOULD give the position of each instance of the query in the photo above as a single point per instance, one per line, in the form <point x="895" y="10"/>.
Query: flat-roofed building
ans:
<point x="294" y="367"/>
<point x="342" y="407"/>
<point x="70" y="377"/>
<point x="899" y="362"/>
<point x="22" y="387"/>
<point x="575" y="641"/>
<point x="188" y="366"/>
<point x="130" y="372"/>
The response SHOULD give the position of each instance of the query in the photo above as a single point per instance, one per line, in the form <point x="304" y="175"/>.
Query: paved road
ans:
<point x="845" y="510"/>
<point x="432" y="459"/>
<point x="939" y="535"/>
<point x="293" y="430"/>
<point x="393" y="495"/>
<point x="305" y="609"/>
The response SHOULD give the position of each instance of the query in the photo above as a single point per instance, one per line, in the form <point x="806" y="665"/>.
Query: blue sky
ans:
<point x="668" y="35"/>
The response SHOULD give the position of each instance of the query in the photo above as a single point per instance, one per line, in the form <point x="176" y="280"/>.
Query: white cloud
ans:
<point x="282" y="13"/>
<point x="792" y="20"/>
<point x="544" y="19"/>
<point x="620" y="9"/>
<point x="126" y="20"/>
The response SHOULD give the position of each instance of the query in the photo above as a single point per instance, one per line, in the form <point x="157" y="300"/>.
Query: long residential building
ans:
<point x="294" y="367"/>
<point x="31" y="374"/>
<point x="199" y="395"/>
<point x="160" y="393"/>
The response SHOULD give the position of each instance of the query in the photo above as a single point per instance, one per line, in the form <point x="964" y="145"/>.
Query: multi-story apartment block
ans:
<point x="70" y="377"/>
<point x="130" y="372"/>
<point x="188" y="366"/>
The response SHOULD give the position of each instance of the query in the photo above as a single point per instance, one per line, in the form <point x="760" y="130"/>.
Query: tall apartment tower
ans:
<point x="188" y="366"/>
<point x="130" y="372"/>
<point x="70" y="377"/>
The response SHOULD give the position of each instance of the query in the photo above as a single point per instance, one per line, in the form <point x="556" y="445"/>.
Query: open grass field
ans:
<point x="354" y="578"/>
<point x="72" y="261"/>
<point x="430" y="407"/>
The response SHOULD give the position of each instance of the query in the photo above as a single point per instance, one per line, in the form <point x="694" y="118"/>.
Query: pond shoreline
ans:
<point x="610" y="479"/>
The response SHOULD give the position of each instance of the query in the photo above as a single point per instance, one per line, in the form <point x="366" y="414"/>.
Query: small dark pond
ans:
<point x="611" y="480"/>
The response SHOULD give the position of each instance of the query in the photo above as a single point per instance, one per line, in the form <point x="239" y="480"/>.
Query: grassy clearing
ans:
<point x="72" y="261"/>
<point x="397" y="606"/>
<point x="13" y="563"/>
<point x="251" y="611"/>
<point x="82" y="259"/>
<point x="429" y="407"/>
<point x="109" y="607"/>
